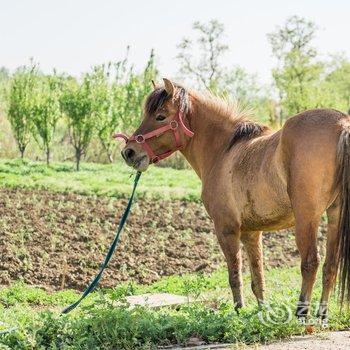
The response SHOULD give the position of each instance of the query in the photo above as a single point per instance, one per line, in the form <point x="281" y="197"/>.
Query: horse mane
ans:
<point x="159" y="96"/>
<point x="155" y="100"/>
<point x="236" y="114"/>
<point x="222" y="110"/>
<point x="247" y="130"/>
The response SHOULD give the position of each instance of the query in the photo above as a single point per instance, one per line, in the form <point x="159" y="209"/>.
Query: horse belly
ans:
<point x="267" y="210"/>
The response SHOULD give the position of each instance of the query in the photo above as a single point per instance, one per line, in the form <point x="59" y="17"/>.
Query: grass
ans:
<point x="101" y="324"/>
<point x="99" y="179"/>
<point x="105" y="321"/>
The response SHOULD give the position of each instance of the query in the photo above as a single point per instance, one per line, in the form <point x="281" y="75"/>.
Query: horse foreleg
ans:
<point x="330" y="265"/>
<point x="253" y="245"/>
<point x="229" y="240"/>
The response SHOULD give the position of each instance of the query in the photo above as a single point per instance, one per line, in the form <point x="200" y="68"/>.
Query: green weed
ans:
<point x="99" y="179"/>
<point x="104" y="322"/>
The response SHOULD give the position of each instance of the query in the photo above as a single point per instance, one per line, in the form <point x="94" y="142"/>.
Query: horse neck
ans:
<point x="212" y="133"/>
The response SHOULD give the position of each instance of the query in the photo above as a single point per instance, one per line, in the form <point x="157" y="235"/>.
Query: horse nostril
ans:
<point x="128" y="153"/>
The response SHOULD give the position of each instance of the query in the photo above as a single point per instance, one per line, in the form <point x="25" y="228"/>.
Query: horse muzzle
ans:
<point x="135" y="158"/>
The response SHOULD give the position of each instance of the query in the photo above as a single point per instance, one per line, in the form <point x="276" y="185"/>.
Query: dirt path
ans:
<point x="322" y="341"/>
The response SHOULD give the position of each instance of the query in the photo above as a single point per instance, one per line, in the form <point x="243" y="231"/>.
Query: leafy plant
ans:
<point x="298" y="73"/>
<point x="129" y="91"/>
<point x="46" y="112"/>
<point x="77" y="103"/>
<point x="22" y="104"/>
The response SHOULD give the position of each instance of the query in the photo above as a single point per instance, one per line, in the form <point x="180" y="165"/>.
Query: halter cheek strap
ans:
<point x="174" y="126"/>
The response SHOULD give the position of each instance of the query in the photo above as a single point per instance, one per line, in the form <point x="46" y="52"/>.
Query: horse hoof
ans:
<point x="302" y="310"/>
<point x="238" y="306"/>
<point x="322" y="318"/>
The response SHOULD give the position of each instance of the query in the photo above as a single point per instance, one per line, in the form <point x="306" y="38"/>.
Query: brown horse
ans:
<point x="255" y="179"/>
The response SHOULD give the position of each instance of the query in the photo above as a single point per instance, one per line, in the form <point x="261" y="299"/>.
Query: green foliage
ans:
<point x="210" y="73"/>
<point x="297" y="74"/>
<point x="130" y="91"/>
<point x="110" y="97"/>
<point x="102" y="107"/>
<point x="240" y="84"/>
<point x="4" y="84"/>
<point x="4" y="74"/>
<point x="207" y="70"/>
<point x="337" y="83"/>
<point x="23" y="294"/>
<point x="119" y="104"/>
<point x="302" y="80"/>
<point x="105" y="321"/>
<point x="46" y="111"/>
<point x="21" y="104"/>
<point x="99" y="179"/>
<point x="78" y="103"/>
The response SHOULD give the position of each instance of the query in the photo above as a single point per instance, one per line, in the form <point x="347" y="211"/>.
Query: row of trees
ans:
<point x="110" y="97"/>
<point x="301" y="80"/>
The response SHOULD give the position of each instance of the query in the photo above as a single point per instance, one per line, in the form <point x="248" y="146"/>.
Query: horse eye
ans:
<point x="160" y="117"/>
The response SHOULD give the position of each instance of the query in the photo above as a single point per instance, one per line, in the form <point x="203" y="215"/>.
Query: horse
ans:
<point x="256" y="179"/>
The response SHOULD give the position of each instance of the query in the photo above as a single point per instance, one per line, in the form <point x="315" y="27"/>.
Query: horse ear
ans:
<point x="169" y="87"/>
<point x="154" y="84"/>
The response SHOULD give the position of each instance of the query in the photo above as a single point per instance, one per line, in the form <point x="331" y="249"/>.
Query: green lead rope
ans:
<point x="111" y="250"/>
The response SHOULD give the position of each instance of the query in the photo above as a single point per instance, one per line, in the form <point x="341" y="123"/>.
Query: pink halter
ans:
<point x="174" y="125"/>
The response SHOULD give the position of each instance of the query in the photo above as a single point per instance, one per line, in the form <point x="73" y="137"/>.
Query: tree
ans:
<point x="21" y="104"/>
<point x="77" y="103"/>
<point x="4" y="84"/>
<point x="102" y="106"/>
<point x="129" y="93"/>
<point x="119" y="104"/>
<point x="207" y="69"/>
<point x="4" y="74"/>
<point x="337" y="82"/>
<point x="46" y="112"/>
<point x="297" y="74"/>
<point x="240" y="84"/>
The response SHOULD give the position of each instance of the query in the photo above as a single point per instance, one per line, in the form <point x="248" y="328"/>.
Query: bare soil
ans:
<point x="322" y="341"/>
<point x="59" y="240"/>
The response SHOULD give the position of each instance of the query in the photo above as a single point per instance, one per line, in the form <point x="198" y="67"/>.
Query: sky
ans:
<point x="73" y="35"/>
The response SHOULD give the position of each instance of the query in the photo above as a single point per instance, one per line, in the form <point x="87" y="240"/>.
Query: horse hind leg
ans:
<point x="307" y="217"/>
<point x="330" y="266"/>
<point x="306" y="239"/>
<point x="309" y="190"/>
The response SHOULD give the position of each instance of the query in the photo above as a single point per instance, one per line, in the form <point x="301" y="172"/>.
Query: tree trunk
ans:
<point x="110" y="158"/>
<point x="78" y="153"/>
<point x="22" y="149"/>
<point x="48" y="156"/>
<point x="107" y="150"/>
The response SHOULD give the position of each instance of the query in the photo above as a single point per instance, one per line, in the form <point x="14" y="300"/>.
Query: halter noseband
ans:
<point x="174" y="125"/>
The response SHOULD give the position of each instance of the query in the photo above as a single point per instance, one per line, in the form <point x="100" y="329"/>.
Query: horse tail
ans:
<point x="343" y="181"/>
